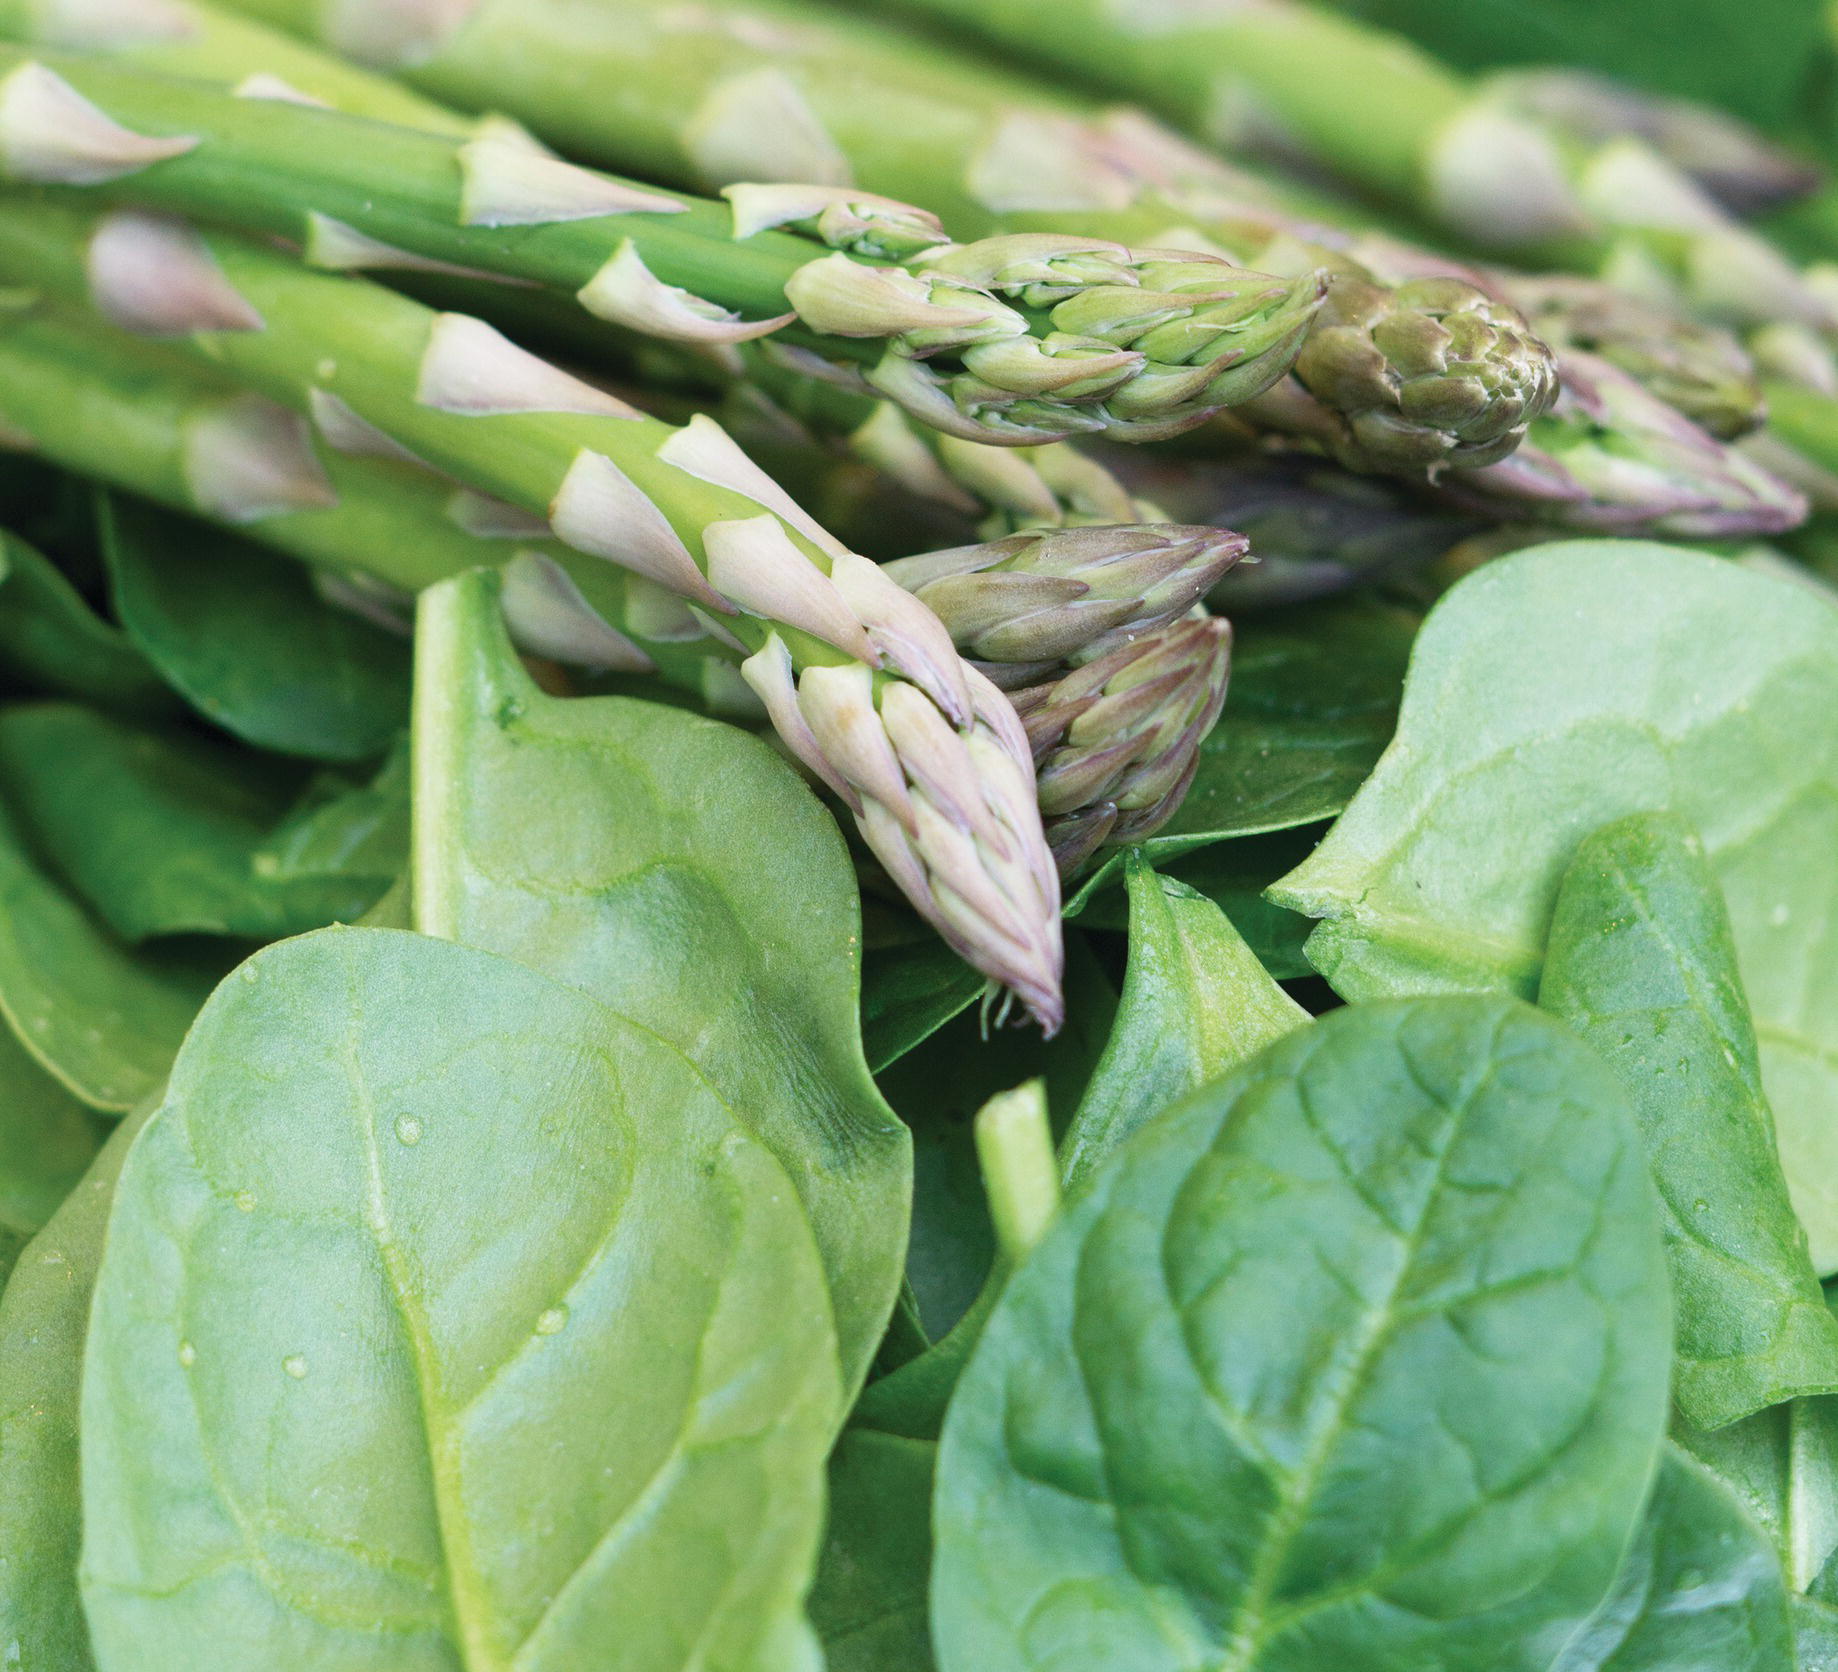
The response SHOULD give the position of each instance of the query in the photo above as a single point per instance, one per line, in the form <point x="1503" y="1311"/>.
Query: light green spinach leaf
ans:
<point x="1815" y="1635"/>
<point x="1356" y="1358"/>
<point x="1701" y="1589"/>
<point x="675" y="868"/>
<point x="1642" y="964"/>
<point x="1782" y="1464"/>
<point x="241" y="633"/>
<point x="1196" y="1002"/>
<point x="184" y="846"/>
<point x="1570" y="685"/>
<point x="447" y="1319"/>
<point x="44" y="1314"/>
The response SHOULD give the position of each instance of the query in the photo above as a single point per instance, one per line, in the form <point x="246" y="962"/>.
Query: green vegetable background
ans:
<point x="918" y="836"/>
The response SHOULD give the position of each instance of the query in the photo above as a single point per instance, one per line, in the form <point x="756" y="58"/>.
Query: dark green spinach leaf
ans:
<point x="1196" y="1002"/>
<point x="1752" y="60"/>
<point x="1642" y="964"/>
<point x="101" y="1019"/>
<point x="52" y="641"/>
<point x="1314" y="701"/>
<point x="241" y="633"/>
<point x="47" y="1138"/>
<point x="1357" y="1358"/>
<point x="869" y="1605"/>
<point x="184" y="848"/>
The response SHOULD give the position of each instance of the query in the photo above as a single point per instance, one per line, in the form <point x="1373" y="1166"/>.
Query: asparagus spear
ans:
<point x="1117" y="741"/>
<point x="860" y="680"/>
<point x="1740" y="168"/>
<point x="1614" y="458"/>
<point x="204" y="43"/>
<point x="1377" y="112"/>
<point x="721" y="92"/>
<point x="141" y="418"/>
<point x="1025" y="338"/>
<point x="138" y="417"/>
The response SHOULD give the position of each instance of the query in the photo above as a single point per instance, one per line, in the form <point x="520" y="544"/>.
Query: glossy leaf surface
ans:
<point x="448" y="1320"/>
<point x="1357" y="1358"/>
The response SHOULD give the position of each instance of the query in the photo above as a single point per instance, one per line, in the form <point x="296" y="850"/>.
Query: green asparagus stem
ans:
<point x="1007" y="488"/>
<point x="1026" y="339"/>
<point x="861" y="681"/>
<point x="726" y="91"/>
<point x="1388" y="118"/>
<point x="1702" y="370"/>
<point x="141" y="418"/>
<point x="203" y="43"/>
<point x="1740" y="168"/>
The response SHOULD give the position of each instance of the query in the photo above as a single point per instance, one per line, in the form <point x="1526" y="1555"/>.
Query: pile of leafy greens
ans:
<point x="483" y="1188"/>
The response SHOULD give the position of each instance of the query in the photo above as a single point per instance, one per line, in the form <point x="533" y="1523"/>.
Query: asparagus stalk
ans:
<point x="138" y="417"/>
<point x="1385" y="116"/>
<point x="203" y="43"/>
<point x="1023" y="338"/>
<point x="141" y="418"/>
<point x="1008" y="489"/>
<point x="722" y="92"/>
<point x="860" y="679"/>
<point x="1740" y="168"/>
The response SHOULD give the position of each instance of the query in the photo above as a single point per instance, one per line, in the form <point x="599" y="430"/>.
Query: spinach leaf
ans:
<point x="1642" y="964"/>
<point x="869" y="1603"/>
<point x="101" y="1019"/>
<point x="678" y="870"/>
<point x="1233" y="875"/>
<point x="1196" y="1002"/>
<point x="43" y="1316"/>
<point x="241" y="633"/>
<point x="182" y="848"/>
<point x="1356" y="1358"/>
<point x="1700" y="1591"/>
<point x="51" y="640"/>
<point x="1782" y="1464"/>
<point x="1314" y="701"/>
<point x="343" y="827"/>
<point x="909" y="992"/>
<point x="446" y="1317"/>
<point x="1815" y="1639"/>
<point x="1570" y="685"/>
<point x="47" y="1138"/>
